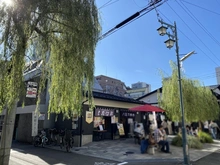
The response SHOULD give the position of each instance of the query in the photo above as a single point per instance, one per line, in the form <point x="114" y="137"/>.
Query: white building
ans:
<point x="217" y="71"/>
<point x="152" y="97"/>
<point x="137" y="90"/>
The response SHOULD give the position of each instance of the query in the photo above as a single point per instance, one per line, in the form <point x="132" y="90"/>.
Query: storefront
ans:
<point x="108" y="118"/>
<point x="109" y="111"/>
<point x="127" y="118"/>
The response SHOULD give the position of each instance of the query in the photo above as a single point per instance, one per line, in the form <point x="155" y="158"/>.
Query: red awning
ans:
<point x="146" y="108"/>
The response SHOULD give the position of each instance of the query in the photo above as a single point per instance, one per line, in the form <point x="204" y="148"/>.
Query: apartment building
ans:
<point x="111" y="85"/>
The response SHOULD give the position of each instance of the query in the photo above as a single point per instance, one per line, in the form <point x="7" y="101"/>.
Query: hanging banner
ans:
<point x="34" y="131"/>
<point x="89" y="116"/>
<point x="31" y="90"/>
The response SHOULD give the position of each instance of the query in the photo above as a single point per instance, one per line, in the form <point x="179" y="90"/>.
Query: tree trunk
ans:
<point x="200" y="126"/>
<point x="6" y="136"/>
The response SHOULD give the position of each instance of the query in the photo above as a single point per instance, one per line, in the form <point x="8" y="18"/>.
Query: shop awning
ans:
<point x="146" y="108"/>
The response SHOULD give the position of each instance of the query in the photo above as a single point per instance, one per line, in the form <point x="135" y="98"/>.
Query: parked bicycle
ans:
<point x="53" y="136"/>
<point x="66" y="139"/>
<point x="40" y="139"/>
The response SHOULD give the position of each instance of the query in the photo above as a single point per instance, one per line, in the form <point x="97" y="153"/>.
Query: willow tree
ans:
<point x="64" y="34"/>
<point x="199" y="102"/>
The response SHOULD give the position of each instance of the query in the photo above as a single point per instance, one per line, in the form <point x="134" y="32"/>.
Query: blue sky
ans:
<point x="136" y="52"/>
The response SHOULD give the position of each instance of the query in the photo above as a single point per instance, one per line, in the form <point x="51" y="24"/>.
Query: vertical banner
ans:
<point x="89" y="116"/>
<point x="34" y="124"/>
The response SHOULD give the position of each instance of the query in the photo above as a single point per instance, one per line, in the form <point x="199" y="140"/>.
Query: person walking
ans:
<point x="213" y="129"/>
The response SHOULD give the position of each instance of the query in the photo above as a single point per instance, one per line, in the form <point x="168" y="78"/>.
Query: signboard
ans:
<point x="113" y="119"/>
<point x="89" y="116"/>
<point x="34" y="124"/>
<point x="128" y="114"/>
<point x="31" y="90"/>
<point x="104" y="112"/>
<point x="121" y="129"/>
<point x="41" y="116"/>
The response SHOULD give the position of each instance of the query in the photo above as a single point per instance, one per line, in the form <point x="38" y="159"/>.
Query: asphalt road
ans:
<point x="25" y="154"/>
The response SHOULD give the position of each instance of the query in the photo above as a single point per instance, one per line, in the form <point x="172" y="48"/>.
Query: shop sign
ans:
<point x="41" y="116"/>
<point x="89" y="116"/>
<point x="128" y="114"/>
<point x="104" y="112"/>
<point x="31" y="90"/>
<point x="121" y="129"/>
<point x="34" y="131"/>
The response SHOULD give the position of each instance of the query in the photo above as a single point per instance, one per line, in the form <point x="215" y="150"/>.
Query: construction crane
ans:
<point x="152" y="5"/>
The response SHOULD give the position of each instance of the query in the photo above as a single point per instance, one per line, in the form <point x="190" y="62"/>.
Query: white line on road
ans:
<point x="122" y="163"/>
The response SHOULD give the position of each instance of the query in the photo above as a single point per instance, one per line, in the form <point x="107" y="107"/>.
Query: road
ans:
<point x="25" y="154"/>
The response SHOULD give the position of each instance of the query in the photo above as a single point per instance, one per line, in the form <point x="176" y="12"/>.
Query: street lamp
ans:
<point x="169" y="43"/>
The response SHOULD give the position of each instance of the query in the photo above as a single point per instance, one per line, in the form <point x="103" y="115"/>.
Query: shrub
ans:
<point x="205" y="137"/>
<point x="177" y="141"/>
<point x="193" y="142"/>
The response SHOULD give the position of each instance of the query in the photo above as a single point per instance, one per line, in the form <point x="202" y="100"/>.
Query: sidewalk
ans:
<point x="126" y="150"/>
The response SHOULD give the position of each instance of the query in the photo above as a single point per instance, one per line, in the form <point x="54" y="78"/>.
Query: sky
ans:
<point x="137" y="53"/>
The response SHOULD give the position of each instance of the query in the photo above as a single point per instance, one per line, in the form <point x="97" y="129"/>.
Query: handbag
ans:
<point x="151" y="140"/>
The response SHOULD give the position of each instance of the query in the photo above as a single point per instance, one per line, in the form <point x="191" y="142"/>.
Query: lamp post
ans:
<point x="169" y="43"/>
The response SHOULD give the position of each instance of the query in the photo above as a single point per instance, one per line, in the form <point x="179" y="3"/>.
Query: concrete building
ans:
<point x="111" y="85"/>
<point x="139" y="85"/>
<point x="137" y="90"/>
<point x="217" y="71"/>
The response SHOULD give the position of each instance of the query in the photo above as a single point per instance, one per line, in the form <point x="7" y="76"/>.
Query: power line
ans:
<point x="200" y="7"/>
<point x="153" y="4"/>
<point x="193" y="32"/>
<point x="198" y="22"/>
<point x="190" y="40"/>
<point x="107" y="4"/>
<point x="137" y="4"/>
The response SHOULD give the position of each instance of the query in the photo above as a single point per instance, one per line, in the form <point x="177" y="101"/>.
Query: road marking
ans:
<point x="122" y="163"/>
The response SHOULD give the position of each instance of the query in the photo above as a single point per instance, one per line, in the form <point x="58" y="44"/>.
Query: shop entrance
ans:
<point x="127" y="119"/>
<point x="108" y="127"/>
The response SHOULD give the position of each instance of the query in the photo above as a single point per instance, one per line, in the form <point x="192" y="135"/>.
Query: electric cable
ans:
<point x="108" y="4"/>
<point x="200" y="7"/>
<point x="133" y="17"/>
<point x="193" y="32"/>
<point x="198" y="23"/>
<point x="191" y="40"/>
